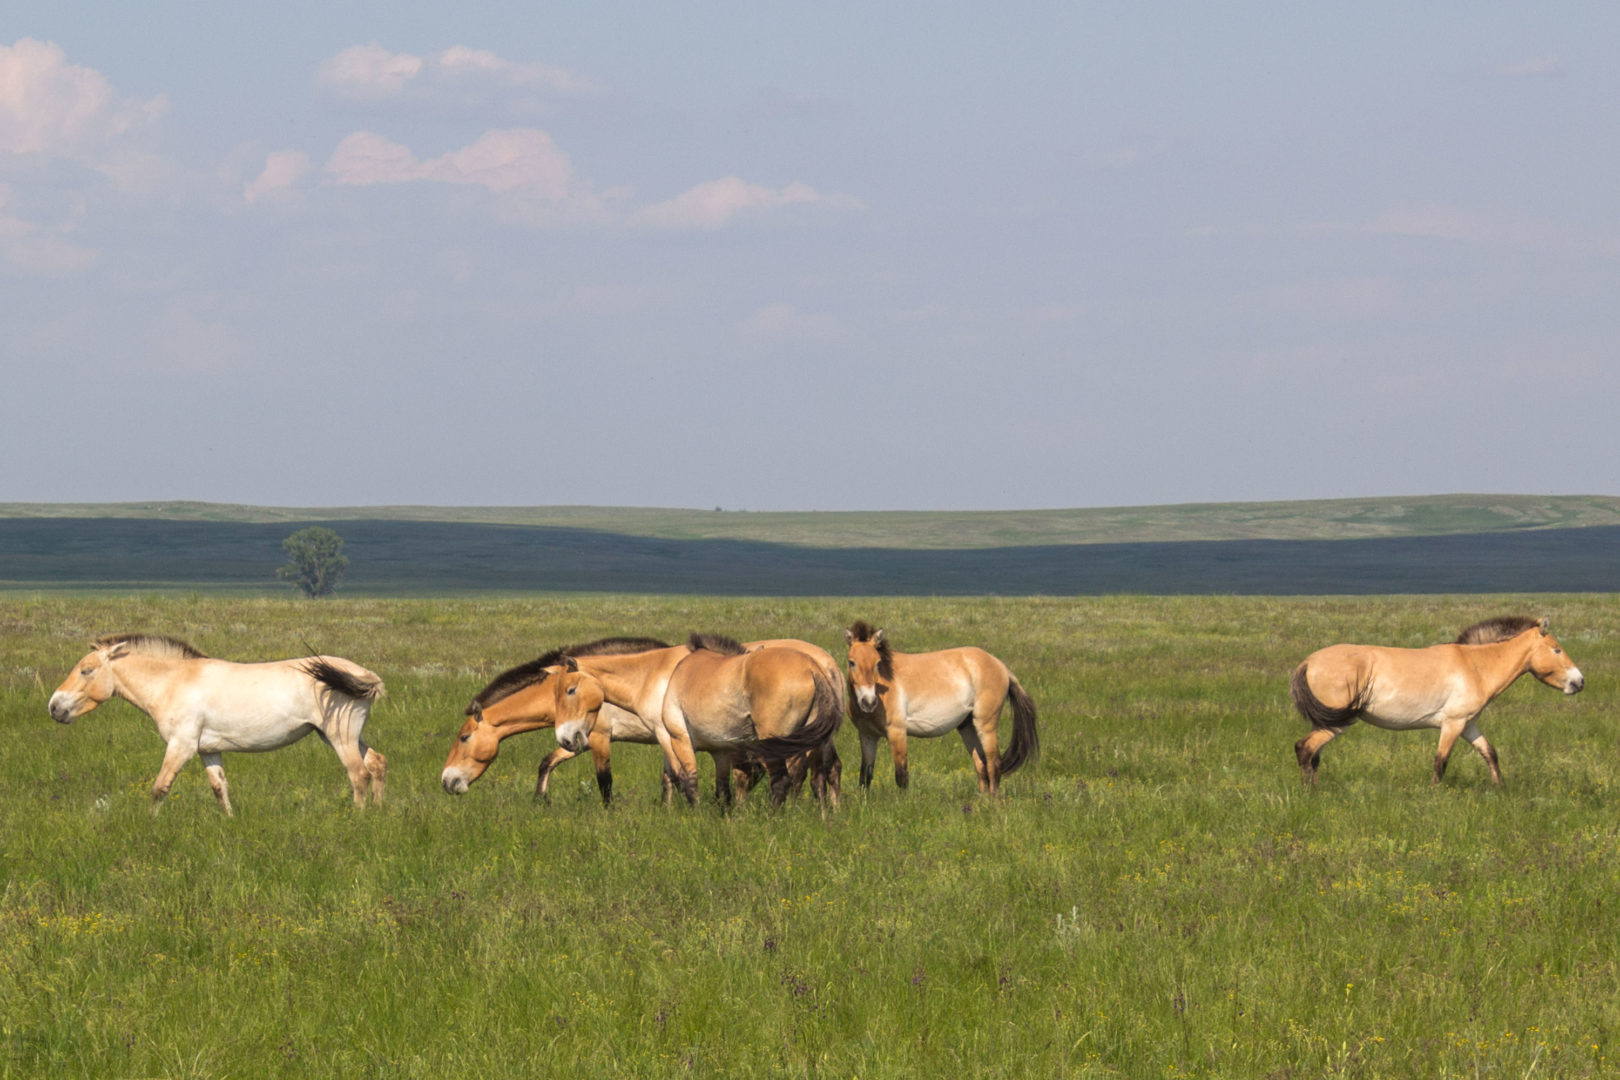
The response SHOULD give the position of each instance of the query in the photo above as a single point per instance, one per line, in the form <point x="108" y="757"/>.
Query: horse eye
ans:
<point x="467" y="736"/>
<point x="87" y="672"/>
<point x="1557" y="652"/>
<point x="571" y="690"/>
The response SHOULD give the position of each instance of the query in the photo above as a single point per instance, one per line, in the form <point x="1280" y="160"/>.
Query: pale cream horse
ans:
<point x="896" y="695"/>
<point x="1443" y="686"/>
<point x="207" y="707"/>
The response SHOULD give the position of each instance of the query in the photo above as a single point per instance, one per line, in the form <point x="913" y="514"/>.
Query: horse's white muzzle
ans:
<point x="62" y="707"/>
<point x="1574" y="681"/>
<point x="455" y="782"/>
<point x="866" y="697"/>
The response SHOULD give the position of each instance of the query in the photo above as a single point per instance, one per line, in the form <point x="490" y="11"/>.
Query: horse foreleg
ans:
<point x="600" y="743"/>
<point x="177" y="754"/>
<point x="897" y="754"/>
<point x="868" y="759"/>
<point x="1308" y="752"/>
<point x="548" y="765"/>
<point x="1486" y="751"/>
<point x="723" y="763"/>
<point x="1442" y="754"/>
<point x="214" y="765"/>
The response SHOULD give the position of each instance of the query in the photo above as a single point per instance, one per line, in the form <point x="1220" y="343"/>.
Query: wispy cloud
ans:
<point x="36" y="250"/>
<point x="282" y="170"/>
<point x="715" y="203"/>
<point x="1441" y="222"/>
<point x="371" y="73"/>
<point x="497" y="160"/>
<point x="1532" y="67"/>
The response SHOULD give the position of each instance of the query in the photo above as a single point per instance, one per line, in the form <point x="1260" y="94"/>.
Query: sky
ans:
<point x="830" y="256"/>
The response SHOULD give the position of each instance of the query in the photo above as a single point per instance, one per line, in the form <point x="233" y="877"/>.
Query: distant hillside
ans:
<point x="1332" y="519"/>
<point x="427" y="557"/>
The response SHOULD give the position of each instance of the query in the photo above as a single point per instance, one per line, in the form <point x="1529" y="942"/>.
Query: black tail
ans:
<point x="826" y="713"/>
<point x="1026" y="741"/>
<point x="366" y="687"/>
<point x="1317" y="714"/>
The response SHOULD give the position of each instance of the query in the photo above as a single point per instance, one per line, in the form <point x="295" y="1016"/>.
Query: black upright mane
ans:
<point x="861" y="630"/>
<point x="514" y="679"/>
<point x="1501" y="628"/>
<point x="151" y="645"/>
<point x="716" y="643"/>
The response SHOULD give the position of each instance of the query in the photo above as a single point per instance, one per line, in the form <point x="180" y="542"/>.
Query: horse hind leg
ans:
<point x="976" y="751"/>
<point x="1308" y="752"/>
<point x="1442" y="753"/>
<point x="376" y="768"/>
<point x="214" y="765"/>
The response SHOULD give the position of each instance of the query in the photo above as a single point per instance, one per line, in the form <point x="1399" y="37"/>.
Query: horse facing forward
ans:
<point x="1442" y="686"/>
<point x="894" y="695"/>
<point x="206" y="707"/>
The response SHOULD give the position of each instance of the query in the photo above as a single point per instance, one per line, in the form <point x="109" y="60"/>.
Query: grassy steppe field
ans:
<point x="1157" y="896"/>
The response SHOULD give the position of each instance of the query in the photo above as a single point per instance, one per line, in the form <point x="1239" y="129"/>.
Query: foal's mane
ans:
<point x="151" y="645"/>
<point x="716" y="643"/>
<point x="512" y="680"/>
<point x="1501" y="628"/>
<point x="861" y="630"/>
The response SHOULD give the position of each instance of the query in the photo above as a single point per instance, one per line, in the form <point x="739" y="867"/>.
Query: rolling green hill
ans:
<point x="1328" y="519"/>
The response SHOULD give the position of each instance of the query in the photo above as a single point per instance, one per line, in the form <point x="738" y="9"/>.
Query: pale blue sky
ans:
<point x="831" y="256"/>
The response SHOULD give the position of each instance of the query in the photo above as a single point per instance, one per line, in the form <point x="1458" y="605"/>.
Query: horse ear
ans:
<point x="877" y="637"/>
<point x="118" y="650"/>
<point x="849" y="636"/>
<point x="570" y="664"/>
<point x="1545" y="624"/>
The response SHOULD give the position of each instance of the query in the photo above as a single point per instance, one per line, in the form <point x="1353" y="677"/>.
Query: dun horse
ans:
<point x="1442" y="686"/>
<point x="207" y="707"/>
<point x="894" y="695"/>
<point x="720" y="697"/>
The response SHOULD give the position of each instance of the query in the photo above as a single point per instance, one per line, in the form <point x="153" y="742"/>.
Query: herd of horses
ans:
<point x="760" y="709"/>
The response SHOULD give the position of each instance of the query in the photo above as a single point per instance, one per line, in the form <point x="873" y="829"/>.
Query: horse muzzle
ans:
<point x="454" y="781"/>
<point x="1574" y="682"/>
<point x="61" y="707"/>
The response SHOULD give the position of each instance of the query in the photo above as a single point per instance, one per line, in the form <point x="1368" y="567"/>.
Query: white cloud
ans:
<point x="518" y="158"/>
<point x="785" y="322"/>
<point x="282" y="170"/>
<point x="372" y="73"/>
<point x="35" y="250"/>
<point x="369" y="71"/>
<point x="714" y="203"/>
<point x="54" y="109"/>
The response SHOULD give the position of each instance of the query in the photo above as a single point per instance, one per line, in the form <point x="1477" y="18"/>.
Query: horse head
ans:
<point x="475" y="747"/>
<point x="90" y="683"/>
<point x="517" y="701"/>
<point x="1549" y="662"/>
<point x="577" y="699"/>
<point x="868" y="662"/>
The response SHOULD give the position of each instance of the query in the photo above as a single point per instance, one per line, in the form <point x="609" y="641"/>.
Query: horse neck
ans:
<point x="1500" y="663"/>
<point x="509" y="721"/>
<point x="142" y="680"/>
<point x="623" y="677"/>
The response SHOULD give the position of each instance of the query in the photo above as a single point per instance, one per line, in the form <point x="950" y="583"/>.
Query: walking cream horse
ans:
<point x="717" y="697"/>
<point x="894" y="695"/>
<point x="1442" y="686"/>
<point x="207" y="707"/>
<point x="519" y="700"/>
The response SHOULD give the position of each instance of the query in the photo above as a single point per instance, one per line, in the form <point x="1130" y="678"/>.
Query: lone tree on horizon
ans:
<point x="315" y="561"/>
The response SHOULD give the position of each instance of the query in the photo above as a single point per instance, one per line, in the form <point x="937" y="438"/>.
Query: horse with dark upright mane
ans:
<point x="896" y="695"/>
<point x="1443" y="686"/>
<point x="203" y="706"/>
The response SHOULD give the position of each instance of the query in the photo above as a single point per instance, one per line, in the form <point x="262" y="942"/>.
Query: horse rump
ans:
<point x="1318" y="715"/>
<point x="356" y="683"/>
<point x="826" y="713"/>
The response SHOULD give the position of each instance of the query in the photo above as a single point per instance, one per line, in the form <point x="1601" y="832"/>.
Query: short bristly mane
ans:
<point x="716" y="643"/>
<point x="512" y="680"/>
<point x="861" y="630"/>
<point x="1501" y="628"/>
<point x="151" y="645"/>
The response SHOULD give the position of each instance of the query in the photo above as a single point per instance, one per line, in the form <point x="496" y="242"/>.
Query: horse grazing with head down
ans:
<point x="206" y="707"/>
<point x="1443" y="686"/>
<point x="896" y="695"/>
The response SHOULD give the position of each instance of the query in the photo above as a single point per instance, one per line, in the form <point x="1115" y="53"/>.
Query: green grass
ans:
<point x="1321" y="519"/>
<point x="1158" y="896"/>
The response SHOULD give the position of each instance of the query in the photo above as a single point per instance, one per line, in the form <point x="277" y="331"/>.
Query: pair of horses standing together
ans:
<point x="644" y="691"/>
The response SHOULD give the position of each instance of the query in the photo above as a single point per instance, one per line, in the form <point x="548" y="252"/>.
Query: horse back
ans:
<point x="967" y="672"/>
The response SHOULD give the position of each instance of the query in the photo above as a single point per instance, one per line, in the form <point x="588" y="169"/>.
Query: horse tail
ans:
<point x="353" y="681"/>
<point x="826" y="713"/>
<point x="1322" y="716"/>
<point x="1026" y="740"/>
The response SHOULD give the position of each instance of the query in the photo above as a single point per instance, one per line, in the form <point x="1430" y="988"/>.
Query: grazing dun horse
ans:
<point x="894" y="695"/>
<point x="1442" y="686"/>
<point x="206" y="707"/>
<point x="721" y="698"/>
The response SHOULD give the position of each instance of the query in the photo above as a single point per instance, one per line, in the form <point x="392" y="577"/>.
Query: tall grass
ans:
<point x="1157" y="896"/>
